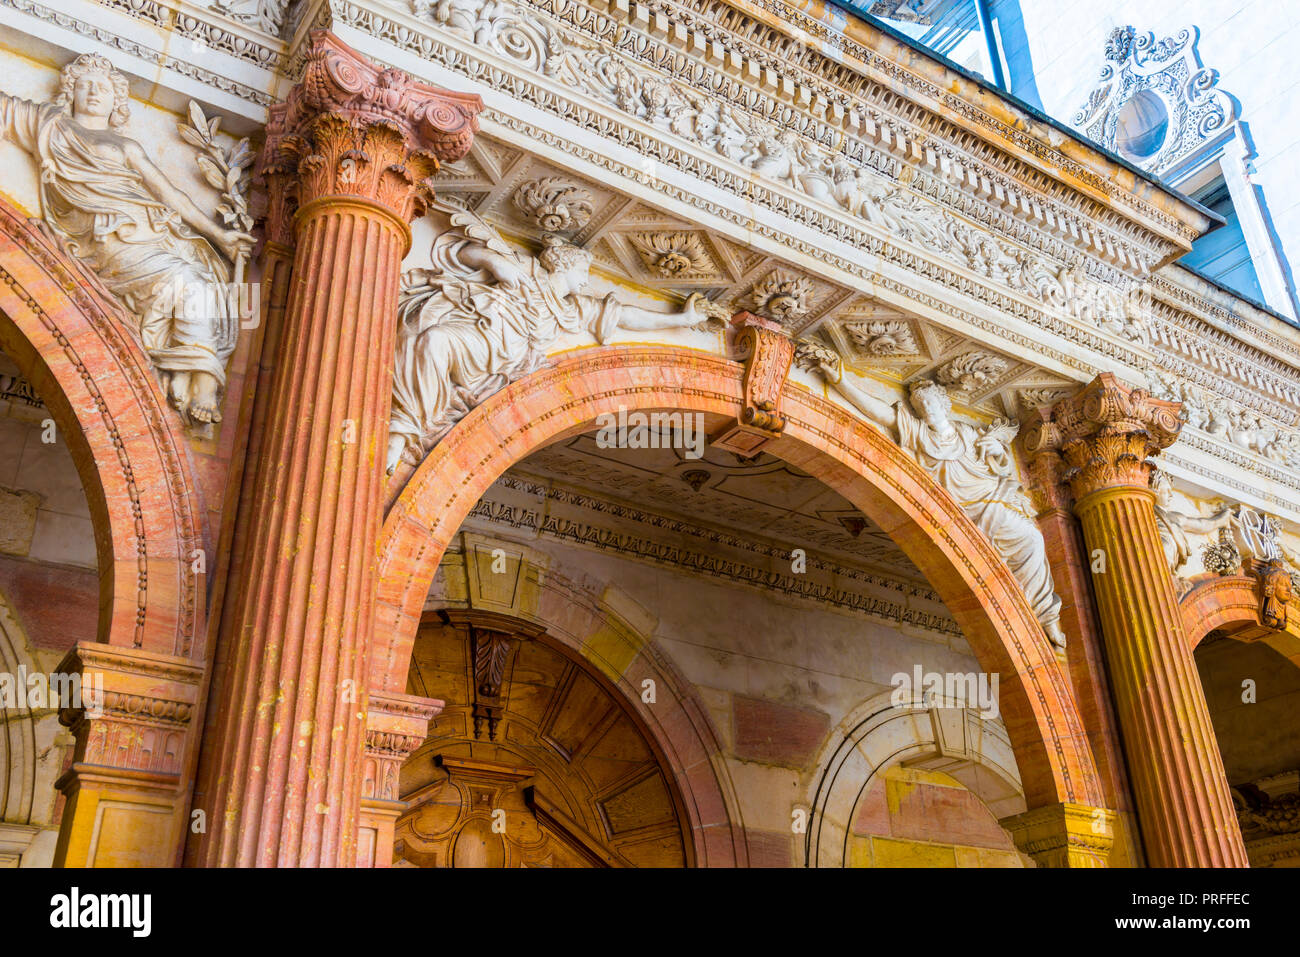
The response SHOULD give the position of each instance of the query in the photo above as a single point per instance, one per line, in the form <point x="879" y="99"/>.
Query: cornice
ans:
<point x="207" y="28"/>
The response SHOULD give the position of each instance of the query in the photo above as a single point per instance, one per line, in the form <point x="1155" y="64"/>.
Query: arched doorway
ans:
<point x="1252" y="689"/>
<point x="822" y="440"/>
<point x="72" y="342"/>
<point x="536" y="759"/>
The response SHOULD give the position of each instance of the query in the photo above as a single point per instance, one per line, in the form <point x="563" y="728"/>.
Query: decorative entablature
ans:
<point x="199" y="51"/>
<point x="815" y="121"/>
<point x="878" y="165"/>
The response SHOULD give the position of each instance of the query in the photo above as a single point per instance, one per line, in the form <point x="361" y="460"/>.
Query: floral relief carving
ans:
<point x="885" y="337"/>
<point x="782" y="296"/>
<point x="779" y="155"/>
<point x="673" y="255"/>
<point x="554" y="205"/>
<point x="972" y="371"/>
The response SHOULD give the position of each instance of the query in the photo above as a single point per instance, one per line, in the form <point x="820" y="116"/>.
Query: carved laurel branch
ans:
<point x="226" y="171"/>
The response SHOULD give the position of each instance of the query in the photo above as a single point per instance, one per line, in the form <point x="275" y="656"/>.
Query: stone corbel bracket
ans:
<point x="767" y="353"/>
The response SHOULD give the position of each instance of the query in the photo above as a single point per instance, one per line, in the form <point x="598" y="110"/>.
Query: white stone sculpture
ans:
<point x="150" y="243"/>
<point x="976" y="467"/>
<point x="1174" y="526"/>
<point x="483" y="317"/>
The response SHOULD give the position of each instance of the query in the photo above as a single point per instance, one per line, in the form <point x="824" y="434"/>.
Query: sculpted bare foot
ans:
<point x="395" y="445"/>
<point x="180" y="389"/>
<point x="204" y="411"/>
<point x="204" y="406"/>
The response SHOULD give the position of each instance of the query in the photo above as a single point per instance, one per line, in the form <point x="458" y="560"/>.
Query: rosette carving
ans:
<point x="1105" y="435"/>
<point x="351" y="128"/>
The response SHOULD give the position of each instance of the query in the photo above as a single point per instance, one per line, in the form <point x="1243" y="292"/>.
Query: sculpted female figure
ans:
<point x="143" y="237"/>
<point x="483" y="317"/>
<point x="976" y="467"/>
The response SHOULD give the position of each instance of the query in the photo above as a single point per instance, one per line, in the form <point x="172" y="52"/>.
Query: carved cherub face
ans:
<point x="932" y="404"/>
<point x="92" y="95"/>
<point x="93" y="92"/>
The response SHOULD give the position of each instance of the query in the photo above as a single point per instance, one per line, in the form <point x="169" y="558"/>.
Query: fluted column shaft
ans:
<point x="1184" y="808"/>
<point x="1101" y="442"/>
<point x="352" y="151"/>
<point x="308" y="613"/>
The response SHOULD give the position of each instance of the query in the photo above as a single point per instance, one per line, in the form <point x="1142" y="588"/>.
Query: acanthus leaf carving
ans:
<point x="1106" y="434"/>
<point x="359" y="130"/>
<point x="554" y="205"/>
<point x="972" y="371"/>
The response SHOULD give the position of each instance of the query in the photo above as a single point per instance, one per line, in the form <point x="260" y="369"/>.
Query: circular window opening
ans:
<point x="1141" y="126"/>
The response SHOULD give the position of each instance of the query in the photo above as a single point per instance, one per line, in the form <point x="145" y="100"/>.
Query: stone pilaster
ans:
<point x="125" y="799"/>
<point x="396" y="724"/>
<point x="288" y="734"/>
<point x="1104" y="437"/>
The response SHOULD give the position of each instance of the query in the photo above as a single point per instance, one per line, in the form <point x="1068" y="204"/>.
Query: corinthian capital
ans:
<point x="1104" y="435"/>
<point x="351" y="128"/>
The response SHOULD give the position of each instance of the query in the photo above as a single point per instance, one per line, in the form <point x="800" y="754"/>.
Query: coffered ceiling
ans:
<point x="638" y="244"/>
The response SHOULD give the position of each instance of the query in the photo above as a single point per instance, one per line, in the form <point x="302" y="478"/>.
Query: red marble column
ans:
<point x="283" y="774"/>
<point x="1104" y="438"/>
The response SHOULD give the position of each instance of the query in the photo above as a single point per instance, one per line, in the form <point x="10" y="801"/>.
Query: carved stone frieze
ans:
<point x="888" y="337"/>
<point x="480" y="290"/>
<point x="835" y="583"/>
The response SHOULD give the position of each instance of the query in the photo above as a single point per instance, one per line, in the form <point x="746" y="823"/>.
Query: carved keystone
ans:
<point x="767" y="353"/>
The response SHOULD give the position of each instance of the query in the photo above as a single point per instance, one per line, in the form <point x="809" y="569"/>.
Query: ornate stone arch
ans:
<point x="821" y="438"/>
<point x="70" y="341"/>
<point x="1231" y="604"/>
<point x="878" y="735"/>
<point x="31" y="754"/>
